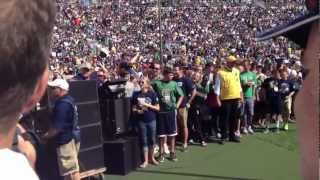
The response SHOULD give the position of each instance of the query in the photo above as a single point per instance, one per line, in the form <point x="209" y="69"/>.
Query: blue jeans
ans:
<point x="147" y="131"/>
<point x="248" y="111"/>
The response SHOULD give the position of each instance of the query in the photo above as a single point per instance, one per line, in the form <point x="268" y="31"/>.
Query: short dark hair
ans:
<point x="178" y="65"/>
<point x="25" y="38"/>
<point x="247" y="62"/>
<point x="153" y="65"/>
<point x="167" y="70"/>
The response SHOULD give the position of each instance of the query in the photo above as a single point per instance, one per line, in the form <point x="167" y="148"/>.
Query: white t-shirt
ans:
<point x="15" y="166"/>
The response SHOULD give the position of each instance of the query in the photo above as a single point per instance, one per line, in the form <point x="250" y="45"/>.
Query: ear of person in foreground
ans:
<point x="305" y="32"/>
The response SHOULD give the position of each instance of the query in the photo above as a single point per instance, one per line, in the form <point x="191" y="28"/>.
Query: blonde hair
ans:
<point x="146" y="81"/>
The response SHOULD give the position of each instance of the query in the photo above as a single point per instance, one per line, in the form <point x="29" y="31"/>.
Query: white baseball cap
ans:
<point x="61" y="83"/>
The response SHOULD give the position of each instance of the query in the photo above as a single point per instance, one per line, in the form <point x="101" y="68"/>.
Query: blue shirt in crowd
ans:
<point x="272" y="86"/>
<point x="187" y="87"/>
<point x="285" y="88"/>
<point x="149" y="97"/>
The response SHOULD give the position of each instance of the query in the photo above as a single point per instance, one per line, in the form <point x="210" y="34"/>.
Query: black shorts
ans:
<point x="167" y="124"/>
<point x="260" y="108"/>
<point x="273" y="107"/>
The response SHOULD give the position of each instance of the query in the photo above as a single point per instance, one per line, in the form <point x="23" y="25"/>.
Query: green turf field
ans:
<point x="271" y="157"/>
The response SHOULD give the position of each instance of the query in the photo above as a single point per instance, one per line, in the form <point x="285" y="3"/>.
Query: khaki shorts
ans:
<point x="182" y="117"/>
<point x="286" y="109"/>
<point x="67" y="155"/>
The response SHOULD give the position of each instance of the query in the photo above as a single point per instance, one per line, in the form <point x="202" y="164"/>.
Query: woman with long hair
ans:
<point x="145" y="106"/>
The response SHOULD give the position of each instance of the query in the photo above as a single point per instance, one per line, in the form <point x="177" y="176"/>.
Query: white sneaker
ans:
<point x="237" y="133"/>
<point x="156" y="149"/>
<point x="191" y="141"/>
<point x="166" y="149"/>
<point x="277" y="124"/>
<point x="250" y="130"/>
<point x="245" y="131"/>
<point x="219" y="135"/>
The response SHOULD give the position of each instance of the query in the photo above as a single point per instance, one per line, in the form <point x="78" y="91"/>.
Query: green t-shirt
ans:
<point x="198" y="100"/>
<point x="168" y="93"/>
<point x="246" y="77"/>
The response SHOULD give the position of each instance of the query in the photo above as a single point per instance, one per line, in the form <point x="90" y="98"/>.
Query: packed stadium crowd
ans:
<point x="191" y="72"/>
<point x="176" y="60"/>
<point x="117" y="31"/>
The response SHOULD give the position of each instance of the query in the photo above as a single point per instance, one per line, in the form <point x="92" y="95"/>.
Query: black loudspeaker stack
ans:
<point x="85" y="94"/>
<point x="115" y="117"/>
<point x="121" y="153"/>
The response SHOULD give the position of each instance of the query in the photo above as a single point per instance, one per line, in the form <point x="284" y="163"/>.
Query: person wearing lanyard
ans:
<point x="170" y="98"/>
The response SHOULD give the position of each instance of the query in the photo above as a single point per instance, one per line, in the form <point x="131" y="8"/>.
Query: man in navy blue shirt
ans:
<point x="65" y="129"/>
<point x="273" y="99"/>
<point x="286" y="90"/>
<point x="189" y="92"/>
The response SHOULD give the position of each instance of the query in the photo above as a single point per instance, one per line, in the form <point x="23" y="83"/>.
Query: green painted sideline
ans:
<point x="260" y="156"/>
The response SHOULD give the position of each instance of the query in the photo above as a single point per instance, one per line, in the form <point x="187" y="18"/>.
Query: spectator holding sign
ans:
<point x="145" y="105"/>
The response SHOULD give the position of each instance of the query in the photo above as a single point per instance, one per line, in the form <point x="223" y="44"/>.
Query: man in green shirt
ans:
<point x="248" y="82"/>
<point x="170" y="98"/>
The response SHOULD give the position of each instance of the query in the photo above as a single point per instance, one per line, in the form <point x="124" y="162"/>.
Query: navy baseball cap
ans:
<point x="296" y="30"/>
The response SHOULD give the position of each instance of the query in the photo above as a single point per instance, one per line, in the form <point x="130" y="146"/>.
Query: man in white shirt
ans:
<point x="25" y="37"/>
<point x="14" y="162"/>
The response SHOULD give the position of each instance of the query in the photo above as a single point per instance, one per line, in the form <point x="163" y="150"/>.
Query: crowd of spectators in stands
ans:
<point x="172" y="58"/>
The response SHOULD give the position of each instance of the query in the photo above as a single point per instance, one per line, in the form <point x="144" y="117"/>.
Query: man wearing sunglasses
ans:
<point x="304" y="31"/>
<point x="156" y="72"/>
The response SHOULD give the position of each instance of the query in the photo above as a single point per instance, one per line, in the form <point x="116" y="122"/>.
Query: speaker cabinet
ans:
<point x="91" y="158"/>
<point x="122" y="156"/>
<point x="115" y="114"/>
<point x="91" y="135"/>
<point x="84" y="91"/>
<point x="89" y="113"/>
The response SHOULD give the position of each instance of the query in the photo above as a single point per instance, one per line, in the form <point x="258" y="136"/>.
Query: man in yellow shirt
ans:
<point x="229" y="93"/>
